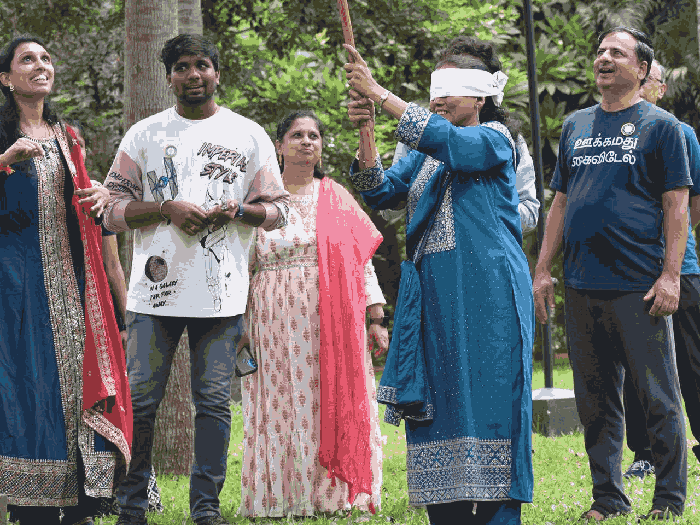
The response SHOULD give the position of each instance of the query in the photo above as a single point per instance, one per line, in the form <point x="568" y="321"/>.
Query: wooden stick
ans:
<point x="366" y="129"/>
<point x="345" y="21"/>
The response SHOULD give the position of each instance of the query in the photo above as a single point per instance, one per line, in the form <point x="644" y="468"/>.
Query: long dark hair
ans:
<point x="467" y="52"/>
<point x="286" y="123"/>
<point x="9" y="114"/>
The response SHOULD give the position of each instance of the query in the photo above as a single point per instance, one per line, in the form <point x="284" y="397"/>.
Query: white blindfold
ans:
<point x="455" y="82"/>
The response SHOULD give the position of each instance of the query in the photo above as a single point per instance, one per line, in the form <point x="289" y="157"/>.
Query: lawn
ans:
<point x="562" y="480"/>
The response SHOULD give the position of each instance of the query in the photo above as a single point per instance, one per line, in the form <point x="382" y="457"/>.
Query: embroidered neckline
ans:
<point x="24" y="135"/>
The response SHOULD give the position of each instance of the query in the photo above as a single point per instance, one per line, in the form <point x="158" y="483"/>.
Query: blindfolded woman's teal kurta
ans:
<point x="470" y="438"/>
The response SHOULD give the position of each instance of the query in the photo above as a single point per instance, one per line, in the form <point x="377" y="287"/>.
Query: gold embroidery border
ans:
<point x="488" y="479"/>
<point x="67" y="320"/>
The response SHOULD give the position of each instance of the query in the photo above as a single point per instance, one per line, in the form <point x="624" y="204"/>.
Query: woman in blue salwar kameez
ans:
<point x="65" y="406"/>
<point x="469" y="447"/>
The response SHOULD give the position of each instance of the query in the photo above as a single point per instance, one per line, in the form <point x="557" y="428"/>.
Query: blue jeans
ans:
<point x="612" y="340"/>
<point x="150" y="349"/>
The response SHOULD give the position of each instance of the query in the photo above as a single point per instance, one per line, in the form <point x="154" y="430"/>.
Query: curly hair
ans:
<point x="466" y="52"/>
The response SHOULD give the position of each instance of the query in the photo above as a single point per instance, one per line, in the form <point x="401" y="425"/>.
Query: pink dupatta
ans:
<point x="346" y="239"/>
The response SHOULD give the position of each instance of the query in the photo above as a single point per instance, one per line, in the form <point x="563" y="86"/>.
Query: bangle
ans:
<point x="382" y="99"/>
<point x="6" y="169"/>
<point x="382" y="321"/>
<point x="160" y="210"/>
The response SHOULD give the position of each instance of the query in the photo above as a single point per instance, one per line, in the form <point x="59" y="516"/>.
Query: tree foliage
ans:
<point x="281" y="55"/>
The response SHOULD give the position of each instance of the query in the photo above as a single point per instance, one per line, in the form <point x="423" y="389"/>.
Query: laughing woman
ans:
<point x="65" y="423"/>
<point x="468" y="440"/>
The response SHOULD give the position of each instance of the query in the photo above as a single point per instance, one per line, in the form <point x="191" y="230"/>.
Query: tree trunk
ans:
<point x="149" y="23"/>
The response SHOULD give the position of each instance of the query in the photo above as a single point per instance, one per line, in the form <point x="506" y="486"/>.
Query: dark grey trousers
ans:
<point x="686" y="333"/>
<point x="610" y="337"/>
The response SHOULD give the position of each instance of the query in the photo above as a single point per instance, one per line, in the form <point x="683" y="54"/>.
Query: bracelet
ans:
<point x="382" y="321"/>
<point x="6" y="169"/>
<point x="382" y="99"/>
<point x="160" y="210"/>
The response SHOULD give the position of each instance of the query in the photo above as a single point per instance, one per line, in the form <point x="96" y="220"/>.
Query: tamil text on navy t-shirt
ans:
<point x="614" y="168"/>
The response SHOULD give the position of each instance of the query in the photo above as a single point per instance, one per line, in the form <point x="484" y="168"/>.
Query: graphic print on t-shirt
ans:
<point x="168" y="182"/>
<point x="219" y="179"/>
<point x="202" y="163"/>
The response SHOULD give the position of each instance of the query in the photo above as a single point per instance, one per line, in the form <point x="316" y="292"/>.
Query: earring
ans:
<point x="12" y="88"/>
<point x="320" y="164"/>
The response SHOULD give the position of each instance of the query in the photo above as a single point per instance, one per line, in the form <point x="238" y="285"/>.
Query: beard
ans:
<point x="190" y="100"/>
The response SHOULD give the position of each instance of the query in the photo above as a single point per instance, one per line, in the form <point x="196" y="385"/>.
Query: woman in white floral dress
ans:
<point x="282" y="402"/>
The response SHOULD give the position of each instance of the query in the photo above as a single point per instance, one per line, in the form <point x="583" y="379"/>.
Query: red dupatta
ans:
<point x="346" y="240"/>
<point x="104" y="363"/>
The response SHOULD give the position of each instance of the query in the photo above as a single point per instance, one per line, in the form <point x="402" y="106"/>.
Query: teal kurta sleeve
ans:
<point x="467" y="150"/>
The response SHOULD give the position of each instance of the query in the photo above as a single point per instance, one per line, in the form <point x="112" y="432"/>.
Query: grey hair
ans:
<point x="662" y="70"/>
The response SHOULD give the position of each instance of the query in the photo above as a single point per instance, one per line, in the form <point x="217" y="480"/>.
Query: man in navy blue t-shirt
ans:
<point x="621" y="188"/>
<point x="686" y="320"/>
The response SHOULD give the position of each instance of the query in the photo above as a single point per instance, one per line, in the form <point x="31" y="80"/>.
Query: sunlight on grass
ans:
<point x="562" y="480"/>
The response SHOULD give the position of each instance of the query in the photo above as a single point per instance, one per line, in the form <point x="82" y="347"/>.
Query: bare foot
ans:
<point x="593" y="515"/>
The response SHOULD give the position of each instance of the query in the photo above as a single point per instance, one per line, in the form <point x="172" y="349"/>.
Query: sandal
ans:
<point x="656" y="514"/>
<point x="586" y="517"/>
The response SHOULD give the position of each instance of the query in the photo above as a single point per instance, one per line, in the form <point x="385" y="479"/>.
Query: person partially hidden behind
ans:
<point x="686" y="320"/>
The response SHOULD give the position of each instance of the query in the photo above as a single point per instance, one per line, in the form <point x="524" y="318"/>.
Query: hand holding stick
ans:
<point x="366" y="126"/>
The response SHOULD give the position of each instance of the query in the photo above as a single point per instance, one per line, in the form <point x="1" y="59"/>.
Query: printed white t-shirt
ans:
<point x="204" y="162"/>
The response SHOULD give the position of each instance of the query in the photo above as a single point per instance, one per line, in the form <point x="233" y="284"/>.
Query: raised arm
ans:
<point x="385" y="190"/>
<point x="472" y="149"/>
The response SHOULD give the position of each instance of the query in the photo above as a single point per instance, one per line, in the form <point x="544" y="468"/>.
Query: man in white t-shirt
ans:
<point x="193" y="181"/>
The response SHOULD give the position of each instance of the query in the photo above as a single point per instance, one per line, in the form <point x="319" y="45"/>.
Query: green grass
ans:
<point x="562" y="481"/>
<point x="561" y="375"/>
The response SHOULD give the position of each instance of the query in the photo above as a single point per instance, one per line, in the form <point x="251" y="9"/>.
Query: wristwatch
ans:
<point x="239" y="212"/>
